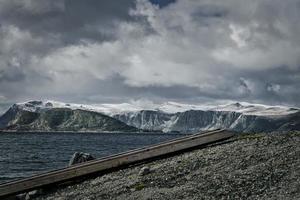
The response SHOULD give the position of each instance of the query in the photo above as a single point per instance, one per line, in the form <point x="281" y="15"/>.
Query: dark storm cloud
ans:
<point x="71" y="20"/>
<point x="11" y="75"/>
<point x="162" y="3"/>
<point x="209" y="11"/>
<point x="278" y="85"/>
<point x="111" y="51"/>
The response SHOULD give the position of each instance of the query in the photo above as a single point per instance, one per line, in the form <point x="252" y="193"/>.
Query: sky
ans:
<point x="91" y="51"/>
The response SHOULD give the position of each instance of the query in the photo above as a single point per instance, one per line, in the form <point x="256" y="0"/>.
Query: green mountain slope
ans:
<point x="61" y="119"/>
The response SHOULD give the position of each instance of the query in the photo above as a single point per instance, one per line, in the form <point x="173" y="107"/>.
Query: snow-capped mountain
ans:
<point x="199" y="120"/>
<point x="172" y="116"/>
<point x="55" y="116"/>
<point x="242" y="117"/>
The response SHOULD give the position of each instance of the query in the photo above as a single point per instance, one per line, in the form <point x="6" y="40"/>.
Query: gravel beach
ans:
<point x="250" y="166"/>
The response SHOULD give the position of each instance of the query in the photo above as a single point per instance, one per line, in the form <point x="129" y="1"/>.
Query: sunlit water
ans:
<point x="26" y="154"/>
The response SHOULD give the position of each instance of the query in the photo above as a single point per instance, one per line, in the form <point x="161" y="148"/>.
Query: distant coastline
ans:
<point x="96" y="132"/>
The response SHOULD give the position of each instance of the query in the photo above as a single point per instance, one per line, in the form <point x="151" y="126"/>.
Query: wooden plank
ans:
<point x="113" y="161"/>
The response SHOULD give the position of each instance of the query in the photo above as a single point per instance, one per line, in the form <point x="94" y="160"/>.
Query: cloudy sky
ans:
<point x="91" y="51"/>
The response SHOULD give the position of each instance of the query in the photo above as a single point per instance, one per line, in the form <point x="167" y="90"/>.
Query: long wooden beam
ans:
<point x="113" y="161"/>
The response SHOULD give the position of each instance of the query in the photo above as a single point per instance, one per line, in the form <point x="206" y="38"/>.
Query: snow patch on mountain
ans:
<point x="167" y="107"/>
<point x="109" y="109"/>
<point x="256" y="109"/>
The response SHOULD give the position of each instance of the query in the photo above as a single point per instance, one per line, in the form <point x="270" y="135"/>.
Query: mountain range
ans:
<point x="36" y="116"/>
<point x="136" y="117"/>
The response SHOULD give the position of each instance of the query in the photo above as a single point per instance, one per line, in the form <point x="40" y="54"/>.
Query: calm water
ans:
<point x="26" y="154"/>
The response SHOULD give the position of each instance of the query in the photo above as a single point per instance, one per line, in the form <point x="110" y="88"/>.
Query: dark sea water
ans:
<point x="26" y="154"/>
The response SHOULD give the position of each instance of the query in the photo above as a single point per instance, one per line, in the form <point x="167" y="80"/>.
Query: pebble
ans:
<point x="144" y="171"/>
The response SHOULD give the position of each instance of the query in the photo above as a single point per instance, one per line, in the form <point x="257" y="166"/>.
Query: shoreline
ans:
<point x="255" y="166"/>
<point x="97" y="132"/>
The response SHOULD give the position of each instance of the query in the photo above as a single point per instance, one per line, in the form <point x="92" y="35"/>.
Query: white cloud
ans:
<point x="209" y="45"/>
<point x="97" y="59"/>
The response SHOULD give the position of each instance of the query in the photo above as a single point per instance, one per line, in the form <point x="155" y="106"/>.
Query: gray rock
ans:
<point x="48" y="104"/>
<point x="80" y="157"/>
<point x="144" y="171"/>
<point x="29" y="195"/>
<point x="21" y="196"/>
<point x="195" y="166"/>
<point x="35" y="193"/>
<point x="24" y="196"/>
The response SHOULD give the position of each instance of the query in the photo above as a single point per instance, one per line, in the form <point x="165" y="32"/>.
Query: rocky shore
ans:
<point x="254" y="166"/>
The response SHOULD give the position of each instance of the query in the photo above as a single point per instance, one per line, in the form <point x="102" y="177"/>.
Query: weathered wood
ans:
<point x="113" y="161"/>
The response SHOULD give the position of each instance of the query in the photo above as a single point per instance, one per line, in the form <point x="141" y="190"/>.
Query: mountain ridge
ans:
<point x="197" y="120"/>
<point x="167" y="117"/>
<point x="60" y="119"/>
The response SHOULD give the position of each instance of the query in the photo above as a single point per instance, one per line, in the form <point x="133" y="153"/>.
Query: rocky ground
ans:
<point x="257" y="166"/>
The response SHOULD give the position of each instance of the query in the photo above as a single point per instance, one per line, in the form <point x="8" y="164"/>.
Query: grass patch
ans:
<point x="295" y="134"/>
<point x="139" y="186"/>
<point x="250" y="136"/>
